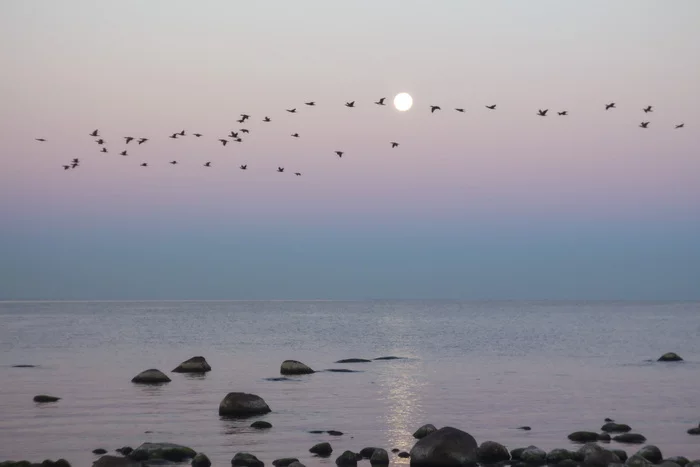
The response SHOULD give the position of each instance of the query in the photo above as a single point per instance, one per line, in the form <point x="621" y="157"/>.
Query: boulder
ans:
<point x="353" y="360"/>
<point x="491" y="452"/>
<point x="116" y="461"/>
<point x="583" y="436"/>
<point x="637" y="461"/>
<point x="284" y="462"/>
<point x="166" y="451"/>
<point x="193" y="365"/>
<point x="693" y="463"/>
<point x="651" y="453"/>
<point x="23" y="365"/>
<point x="568" y="463"/>
<point x="125" y="451"/>
<point x="366" y="453"/>
<point x="447" y="446"/>
<point x="334" y="433"/>
<point x="43" y="398"/>
<point x="694" y="431"/>
<point x="261" y="425"/>
<point x="630" y="438"/>
<point x="346" y="459"/>
<point x="99" y="451"/>
<point x="404" y="454"/>
<point x="201" y="460"/>
<point x="668" y="464"/>
<point x="604" y="437"/>
<point x="152" y="376"/>
<point x="670" y="357"/>
<point x="680" y="460"/>
<point x="612" y="427"/>
<point x="555" y="456"/>
<point x="296" y="464"/>
<point x="241" y="404"/>
<point x="321" y="449"/>
<point x="532" y="455"/>
<point x="293" y="367"/>
<point x="246" y="460"/>
<point x="600" y="458"/>
<point x="379" y="457"/>
<point x="622" y="455"/>
<point x="424" y="431"/>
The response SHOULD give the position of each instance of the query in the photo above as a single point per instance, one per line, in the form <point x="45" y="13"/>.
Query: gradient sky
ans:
<point x="480" y="205"/>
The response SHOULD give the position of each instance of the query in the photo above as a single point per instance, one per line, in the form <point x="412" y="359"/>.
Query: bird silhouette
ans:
<point x="680" y="126"/>
<point x="198" y="135"/>
<point x="173" y="162"/>
<point x="241" y="120"/>
<point x="182" y="133"/>
<point x="40" y="139"/>
<point x="291" y="111"/>
<point x="245" y="117"/>
<point x="144" y="165"/>
<point x="207" y="164"/>
<point x="298" y="174"/>
<point x="350" y="104"/>
<point x="104" y="150"/>
<point x="75" y="161"/>
<point x="95" y="133"/>
<point x="433" y="108"/>
<point x="312" y="103"/>
<point x="647" y="109"/>
<point x="563" y="112"/>
<point x="296" y="135"/>
<point x="74" y="165"/>
<point x="394" y="144"/>
<point x="381" y="101"/>
<point x="243" y="130"/>
<point x="224" y="141"/>
<point x="238" y="140"/>
<point x="644" y="124"/>
<point x="340" y="153"/>
<point x="100" y="141"/>
<point x="610" y="106"/>
<point x="123" y="153"/>
<point x="280" y="169"/>
<point x="542" y="113"/>
<point x="128" y="139"/>
<point x="266" y="119"/>
<point x="460" y="110"/>
<point x="233" y="135"/>
<point x="142" y="140"/>
<point x="173" y="136"/>
<point x="66" y="167"/>
<point x="244" y="167"/>
<point x="491" y="107"/>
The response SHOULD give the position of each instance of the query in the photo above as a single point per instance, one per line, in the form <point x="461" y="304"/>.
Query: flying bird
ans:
<point x="298" y="174"/>
<point x="198" y="135"/>
<point x="563" y="112"/>
<point x="128" y="139"/>
<point x="381" y="101"/>
<point x="245" y="117"/>
<point x="207" y="164"/>
<point x="100" y="141"/>
<point x="144" y="165"/>
<point x="542" y="113"/>
<point x="233" y="135"/>
<point x="291" y="111"/>
<point x="296" y="135"/>
<point x="610" y="106"/>
<point x="280" y="169"/>
<point x="75" y="161"/>
<point x="350" y="104"/>
<point x="123" y="153"/>
<point x="312" y="103"/>
<point x="241" y="120"/>
<point x="66" y="167"/>
<point x="491" y="107"/>
<point x="173" y="136"/>
<point x="647" y="109"/>
<point x="460" y="110"/>
<point x="394" y="144"/>
<point x="104" y="150"/>
<point x="224" y="141"/>
<point x="74" y="165"/>
<point x="433" y="108"/>
<point x="644" y="125"/>
<point x="243" y="167"/>
<point x="95" y="133"/>
<point x="266" y="119"/>
<point x="680" y="126"/>
<point x="340" y="153"/>
<point x="142" y="140"/>
<point x="40" y="139"/>
<point x="243" y="130"/>
<point x="238" y="140"/>
<point x="173" y="162"/>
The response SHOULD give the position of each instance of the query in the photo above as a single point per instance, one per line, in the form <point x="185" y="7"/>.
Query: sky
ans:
<point x="480" y="205"/>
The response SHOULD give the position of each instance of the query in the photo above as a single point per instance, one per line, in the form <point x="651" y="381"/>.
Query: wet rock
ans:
<point x="166" y="451"/>
<point x="680" y="460"/>
<point x="99" y="451"/>
<point x="193" y="365"/>
<point x="424" y="431"/>
<point x="446" y="446"/>
<point x="261" y="425"/>
<point x="612" y="427"/>
<point x="532" y="455"/>
<point x="342" y="370"/>
<point x="515" y="453"/>
<point x="366" y="453"/>
<point x="43" y="398"/>
<point x="670" y="357"/>
<point x="201" y="460"/>
<point x="651" y="453"/>
<point x="622" y="455"/>
<point x="567" y="463"/>
<point x="491" y="452"/>
<point x="694" y="431"/>
<point x="395" y="450"/>
<point x="241" y="404"/>
<point x="379" y="457"/>
<point x="693" y="463"/>
<point x="668" y="464"/>
<point x="637" y="461"/>
<point x="391" y="357"/>
<point x="277" y="378"/>
<point x="116" y="461"/>
<point x="353" y="360"/>
<point x="404" y="455"/>
<point x="604" y="437"/>
<point x="245" y="459"/>
<point x="321" y="449"/>
<point x="583" y="436"/>
<point x="296" y="464"/>
<point x="586" y="449"/>
<point x="556" y="456"/>
<point x="125" y="451"/>
<point x="23" y="366"/>
<point x="525" y="428"/>
<point x="284" y="462"/>
<point x="152" y="376"/>
<point x="334" y="433"/>
<point x="293" y="367"/>
<point x="600" y="458"/>
<point x="346" y="459"/>
<point x="630" y="438"/>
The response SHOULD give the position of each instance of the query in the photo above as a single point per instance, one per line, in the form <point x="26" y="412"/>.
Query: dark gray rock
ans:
<point x="246" y="459"/>
<point x="515" y="453"/>
<point x="612" y="427"/>
<point x="166" y="451"/>
<point x="604" y="437"/>
<point x="193" y="365"/>
<point x="354" y="360"/>
<point x="622" y="455"/>
<point x="151" y="376"/>
<point x="346" y="459"/>
<point x="125" y="451"/>
<point x="284" y="462"/>
<point x="43" y="398"/>
<point x="668" y="464"/>
<point x="609" y="420"/>
<point x="294" y="367"/>
<point x="583" y="436"/>
<point x="447" y="446"/>
<point x="693" y="463"/>
<point x="321" y="449"/>
<point x="342" y="370"/>
<point x="240" y="404"/>
<point x="637" y="461"/>
<point x="334" y="433"/>
<point x="630" y="438"/>
<point x="694" y="431"/>
<point x="404" y="454"/>
<point x="366" y="453"/>
<point x="391" y="357"/>
<point x="567" y="463"/>
<point x="116" y="461"/>
<point x="99" y="451"/>
<point x="491" y="452"/>
<point x="395" y="450"/>
<point x="379" y="457"/>
<point x="22" y="365"/>
<point x="261" y="425"/>
<point x="201" y="460"/>
<point x="524" y="428"/>
<point x="532" y="455"/>
<point x="424" y="431"/>
<point x="296" y="464"/>
<point x="680" y="460"/>
<point x="651" y="453"/>
<point x="601" y="458"/>
<point x="670" y="357"/>
<point x="556" y="456"/>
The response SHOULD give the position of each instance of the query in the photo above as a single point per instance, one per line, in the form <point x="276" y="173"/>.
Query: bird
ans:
<point x="340" y="153"/>
<point x="280" y="169"/>
<point x="144" y="165"/>
<point x="100" y="141"/>
<point x="224" y="141"/>
<point x="173" y="162"/>
<point x="238" y="140"/>
<point x="460" y="110"/>
<point x="563" y="112"/>
<point x="241" y="120"/>
<point x="233" y="135"/>
<point x="350" y="104"/>
<point x="142" y="140"/>
<point x="243" y="167"/>
<point x="680" y="126"/>
<point x="128" y="139"/>
<point x="296" y="135"/>
<point x="75" y="161"/>
<point x="491" y="107"/>
<point x="310" y="104"/>
<point x="104" y="150"/>
<point x="66" y="167"/>
<point x="198" y="135"/>
<point x="647" y="109"/>
<point x="182" y="133"/>
<point x="245" y="117"/>
<point x="266" y="119"/>
<point x="40" y="139"/>
<point x="291" y="111"/>
<point x="381" y="101"/>
<point x="644" y="125"/>
<point x="207" y="164"/>
<point x="244" y="130"/>
<point x="542" y="113"/>
<point x="433" y="108"/>
<point x="394" y="144"/>
<point x="610" y="106"/>
<point x="123" y="153"/>
<point x="95" y="133"/>
<point x="298" y="174"/>
<point x="74" y="165"/>
<point x="173" y="136"/>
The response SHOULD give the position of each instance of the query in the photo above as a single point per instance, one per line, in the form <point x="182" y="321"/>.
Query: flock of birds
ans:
<point x="234" y="136"/>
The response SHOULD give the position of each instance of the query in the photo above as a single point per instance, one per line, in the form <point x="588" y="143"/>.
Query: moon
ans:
<point x="403" y="101"/>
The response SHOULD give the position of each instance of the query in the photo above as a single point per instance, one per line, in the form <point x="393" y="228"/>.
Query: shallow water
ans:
<point x="485" y="367"/>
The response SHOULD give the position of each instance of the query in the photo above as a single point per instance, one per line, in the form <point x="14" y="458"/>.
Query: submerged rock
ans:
<point x="612" y="427"/>
<point x="261" y="425"/>
<point x="246" y="460"/>
<point x="284" y="462"/>
<point x="321" y="449"/>
<point x="447" y="446"/>
<point x="334" y="433"/>
<point x="670" y="357"/>
<point x="491" y="452"/>
<point x="116" y="461"/>
<point x="424" y="431"/>
<point x="524" y="428"/>
<point x="630" y="438"/>
<point x="201" y="460"/>
<point x="193" y="365"/>
<point x="404" y="455"/>
<point x="241" y="404"/>
<point x="152" y="376"/>
<point x="555" y="456"/>
<point x="296" y="464"/>
<point x="391" y="357"/>
<point x="99" y="451"/>
<point x="342" y="370"/>
<point x="167" y="451"/>
<point x="583" y="436"/>
<point x="694" y="431"/>
<point x="379" y="457"/>
<point x="43" y="398"/>
<point x="125" y="451"/>
<point x="346" y="459"/>
<point x="354" y="360"/>
<point x="293" y="367"/>
<point x="23" y="365"/>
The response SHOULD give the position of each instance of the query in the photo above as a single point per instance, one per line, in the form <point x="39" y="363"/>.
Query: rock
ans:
<point x="583" y="436"/>
<point x="316" y="432"/>
<point x="284" y="462"/>
<point x="525" y="428"/>
<point x="167" y="451"/>
<point x="694" y="431"/>
<point x="556" y="456"/>
<point x="404" y="455"/>
<point x="125" y="451"/>
<point x="651" y="453"/>
<point x="622" y="455"/>
<point x="321" y="449"/>
<point x="366" y="453"/>
<point x="152" y="376"/>
<point x="694" y="463"/>
<point x="391" y="357"/>
<point x="609" y="420"/>
<point x="241" y="404"/>
<point x="445" y="447"/>
<point x="637" y="461"/>
<point x="334" y="433"/>
<point x="532" y="455"/>
<point x="601" y="458"/>
<point x="670" y="357"/>
<point x="296" y="464"/>
<point x="193" y="365"/>
<point x="348" y="458"/>
<point x="395" y="450"/>
<point x="293" y="367"/>
<point x="342" y="370"/>
<point x="424" y="431"/>
<point x="116" y="461"/>
<point x="680" y="460"/>
<point x="491" y="452"/>
<point x="201" y="460"/>
<point x="604" y="437"/>
<point x="630" y="438"/>
<point x="99" y="451"/>
<point x="22" y="365"/>
<point x="246" y="460"/>
<point x="379" y="457"/>
<point x="612" y="427"/>
<point x="669" y="464"/>
<point x="515" y="453"/>
<point x="353" y="360"/>
<point x="586" y="449"/>
<point x="261" y="425"/>
<point x="43" y="398"/>
<point x="277" y="378"/>
<point x="567" y="463"/>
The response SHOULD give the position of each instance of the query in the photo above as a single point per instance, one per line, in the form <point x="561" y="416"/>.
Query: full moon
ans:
<point x="403" y="101"/>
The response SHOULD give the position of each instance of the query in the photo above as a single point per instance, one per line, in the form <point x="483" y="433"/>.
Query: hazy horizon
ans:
<point x="481" y="205"/>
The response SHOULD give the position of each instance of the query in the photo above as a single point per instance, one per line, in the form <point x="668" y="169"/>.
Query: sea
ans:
<point x="484" y="367"/>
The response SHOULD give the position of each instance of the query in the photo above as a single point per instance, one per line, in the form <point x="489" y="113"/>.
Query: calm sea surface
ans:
<point x="486" y="368"/>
